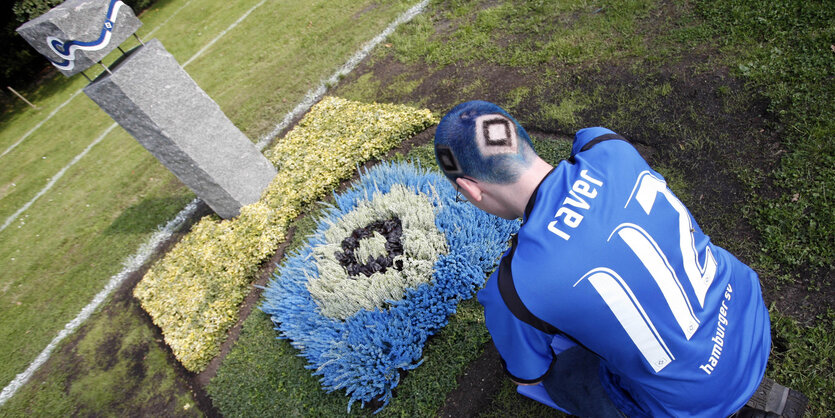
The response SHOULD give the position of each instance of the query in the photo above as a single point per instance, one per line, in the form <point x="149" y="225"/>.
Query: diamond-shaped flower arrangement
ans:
<point x="387" y="265"/>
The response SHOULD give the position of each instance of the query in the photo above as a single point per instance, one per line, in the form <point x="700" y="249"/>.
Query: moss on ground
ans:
<point x="115" y="363"/>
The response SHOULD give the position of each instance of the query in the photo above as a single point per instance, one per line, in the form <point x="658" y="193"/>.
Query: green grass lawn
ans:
<point x="118" y="194"/>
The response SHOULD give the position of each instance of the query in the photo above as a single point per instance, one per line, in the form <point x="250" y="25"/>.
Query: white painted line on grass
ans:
<point x="314" y="95"/>
<point x="57" y="177"/>
<point x="131" y="264"/>
<point x="148" y="35"/>
<point x="60" y="174"/>
<point x="51" y="114"/>
<point x="232" y="26"/>
<point x="142" y="255"/>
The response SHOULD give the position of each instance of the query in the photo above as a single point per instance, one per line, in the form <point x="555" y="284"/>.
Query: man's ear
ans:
<point x="471" y="188"/>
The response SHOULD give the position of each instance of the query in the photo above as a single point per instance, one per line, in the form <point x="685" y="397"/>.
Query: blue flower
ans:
<point x="363" y="346"/>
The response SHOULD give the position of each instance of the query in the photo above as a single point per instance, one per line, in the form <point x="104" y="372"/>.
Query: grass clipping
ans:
<point x="194" y="292"/>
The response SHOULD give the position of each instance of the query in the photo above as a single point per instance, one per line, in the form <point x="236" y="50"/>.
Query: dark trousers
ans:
<point x="574" y="385"/>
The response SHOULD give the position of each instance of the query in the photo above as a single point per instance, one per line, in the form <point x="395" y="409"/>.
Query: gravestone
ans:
<point x="153" y="98"/>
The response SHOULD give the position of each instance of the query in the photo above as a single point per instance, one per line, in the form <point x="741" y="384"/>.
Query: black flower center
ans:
<point x="391" y="230"/>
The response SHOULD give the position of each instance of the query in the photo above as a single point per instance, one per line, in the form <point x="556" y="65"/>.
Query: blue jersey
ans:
<point x="610" y="258"/>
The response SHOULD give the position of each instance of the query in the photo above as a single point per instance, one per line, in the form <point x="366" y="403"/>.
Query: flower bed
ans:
<point x="386" y="267"/>
<point x="194" y="292"/>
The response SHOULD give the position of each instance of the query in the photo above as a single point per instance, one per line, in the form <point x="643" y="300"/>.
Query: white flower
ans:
<point x="340" y="294"/>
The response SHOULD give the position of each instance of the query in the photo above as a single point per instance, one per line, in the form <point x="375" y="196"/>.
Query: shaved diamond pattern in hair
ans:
<point x="495" y="134"/>
<point x="447" y="159"/>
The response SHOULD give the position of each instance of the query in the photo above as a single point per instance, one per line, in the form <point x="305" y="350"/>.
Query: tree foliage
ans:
<point x="26" y="10"/>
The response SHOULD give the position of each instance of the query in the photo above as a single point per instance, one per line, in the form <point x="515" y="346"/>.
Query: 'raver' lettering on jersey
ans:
<point x="579" y="199"/>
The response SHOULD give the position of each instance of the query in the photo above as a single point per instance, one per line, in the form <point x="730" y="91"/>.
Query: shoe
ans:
<point x="772" y="400"/>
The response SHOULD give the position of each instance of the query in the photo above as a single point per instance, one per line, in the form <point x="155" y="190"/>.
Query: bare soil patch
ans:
<point x="477" y="386"/>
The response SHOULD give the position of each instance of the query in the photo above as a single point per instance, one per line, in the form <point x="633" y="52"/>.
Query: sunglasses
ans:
<point x="459" y="198"/>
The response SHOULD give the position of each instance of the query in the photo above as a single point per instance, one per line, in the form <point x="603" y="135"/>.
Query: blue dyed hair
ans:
<point x="459" y="153"/>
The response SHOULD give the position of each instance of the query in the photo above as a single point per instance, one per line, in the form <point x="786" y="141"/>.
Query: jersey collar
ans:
<point x="532" y="200"/>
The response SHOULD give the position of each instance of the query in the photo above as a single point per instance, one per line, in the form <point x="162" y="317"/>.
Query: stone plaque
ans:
<point x="77" y="34"/>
